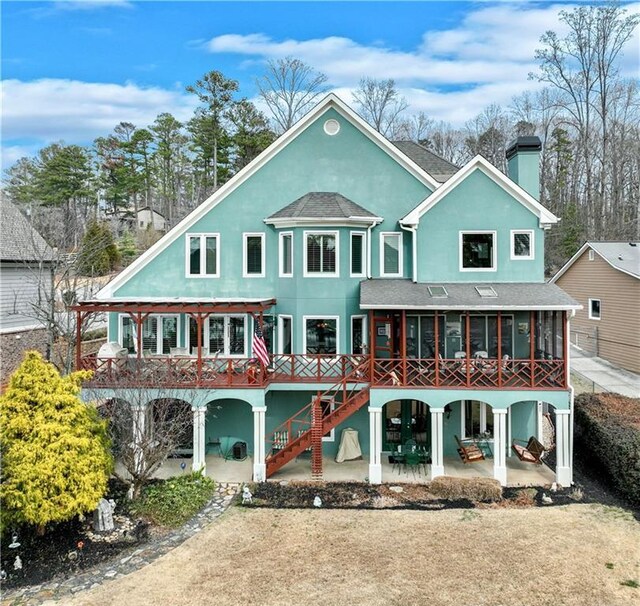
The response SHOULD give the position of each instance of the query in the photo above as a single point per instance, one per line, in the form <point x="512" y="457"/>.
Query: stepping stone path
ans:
<point x="128" y="561"/>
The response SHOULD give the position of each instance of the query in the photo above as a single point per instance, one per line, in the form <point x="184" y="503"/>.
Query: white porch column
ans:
<point x="199" y="447"/>
<point x="539" y="435"/>
<point x="500" y="445"/>
<point x="139" y="418"/>
<point x="564" y="468"/>
<point x="375" y="445"/>
<point x="437" y="442"/>
<point x="259" y="438"/>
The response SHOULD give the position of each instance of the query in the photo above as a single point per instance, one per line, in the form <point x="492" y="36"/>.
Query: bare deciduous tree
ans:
<point x="380" y="103"/>
<point x="146" y="425"/>
<point x="289" y="88"/>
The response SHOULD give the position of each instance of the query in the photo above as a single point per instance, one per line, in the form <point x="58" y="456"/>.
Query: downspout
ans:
<point x="375" y="222"/>
<point x="571" y="389"/>
<point x="413" y="230"/>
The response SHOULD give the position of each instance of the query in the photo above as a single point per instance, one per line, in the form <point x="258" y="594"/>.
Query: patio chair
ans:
<point x="412" y="462"/>
<point x="469" y="453"/>
<point x="531" y="453"/>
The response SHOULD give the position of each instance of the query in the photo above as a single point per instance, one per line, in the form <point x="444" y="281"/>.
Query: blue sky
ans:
<point x="72" y="70"/>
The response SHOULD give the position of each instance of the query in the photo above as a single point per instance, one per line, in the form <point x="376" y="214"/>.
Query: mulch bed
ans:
<point x="67" y="548"/>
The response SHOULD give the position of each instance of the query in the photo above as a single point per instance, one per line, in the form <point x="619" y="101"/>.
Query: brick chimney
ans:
<point x="523" y="164"/>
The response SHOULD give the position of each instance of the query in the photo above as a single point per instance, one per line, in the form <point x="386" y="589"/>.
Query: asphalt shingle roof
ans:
<point x="624" y="256"/>
<point x="405" y="294"/>
<point x="18" y="240"/>
<point x="439" y="168"/>
<point x="322" y="205"/>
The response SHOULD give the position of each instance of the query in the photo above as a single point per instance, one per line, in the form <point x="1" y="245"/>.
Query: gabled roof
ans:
<point x="439" y="168"/>
<point x="405" y="294"/>
<point x="324" y="205"/>
<point x="545" y="216"/>
<point x="19" y="241"/>
<point x="623" y="256"/>
<point x="331" y="101"/>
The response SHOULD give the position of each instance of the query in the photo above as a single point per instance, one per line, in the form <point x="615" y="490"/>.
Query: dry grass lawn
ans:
<point x="576" y="555"/>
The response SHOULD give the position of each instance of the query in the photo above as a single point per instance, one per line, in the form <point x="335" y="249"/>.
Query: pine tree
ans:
<point x="55" y="450"/>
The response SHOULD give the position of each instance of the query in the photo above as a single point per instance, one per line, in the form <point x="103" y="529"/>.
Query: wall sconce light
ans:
<point x="447" y="411"/>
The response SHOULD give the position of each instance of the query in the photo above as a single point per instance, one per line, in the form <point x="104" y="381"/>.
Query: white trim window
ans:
<point x="321" y="254"/>
<point x="358" y="254"/>
<point x="160" y="333"/>
<point x="320" y="335"/>
<point x="476" y="419"/>
<point x="222" y="334"/>
<point x="522" y="245"/>
<point x="478" y="250"/>
<point x="391" y="254"/>
<point x="285" y="254"/>
<point x="253" y="255"/>
<point x="285" y="334"/>
<point x="328" y="406"/>
<point x="202" y="255"/>
<point x="595" y="309"/>
<point x="359" y="334"/>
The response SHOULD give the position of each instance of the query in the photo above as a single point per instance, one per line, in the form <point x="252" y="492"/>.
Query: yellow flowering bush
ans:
<point x="55" y="450"/>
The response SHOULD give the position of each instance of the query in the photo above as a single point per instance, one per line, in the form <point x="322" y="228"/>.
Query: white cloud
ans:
<point x="12" y="153"/>
<point x="452" y="75"/>
<point x="53" y="109"/>
<point x="91" y="4"/>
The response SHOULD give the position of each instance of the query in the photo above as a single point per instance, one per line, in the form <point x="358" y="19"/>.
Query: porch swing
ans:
<point x="531" y="453"/>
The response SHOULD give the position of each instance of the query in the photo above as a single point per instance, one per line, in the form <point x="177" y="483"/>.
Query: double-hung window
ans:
<point x="203" y="255"/>
<point x="358" y="254"/>
<point x="321" y="254"/>
<point x="522" y="245"/>
<point x="286" y="255"/>
<point x="478" y="251"/>
<point x="391" y="255"/>
<point x="594" y="309"/>
<point x="253" y="257"/>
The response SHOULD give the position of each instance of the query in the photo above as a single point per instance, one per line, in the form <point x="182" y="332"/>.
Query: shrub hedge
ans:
<point x="174" y="501"/>
<point x="608" y="435"/>
<point x="474" y="489"/>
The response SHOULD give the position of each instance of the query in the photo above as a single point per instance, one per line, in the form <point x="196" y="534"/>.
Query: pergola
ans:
<point x="140" y="309"/>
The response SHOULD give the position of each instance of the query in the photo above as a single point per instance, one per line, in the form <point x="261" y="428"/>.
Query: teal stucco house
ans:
<point x="396" y="294"/>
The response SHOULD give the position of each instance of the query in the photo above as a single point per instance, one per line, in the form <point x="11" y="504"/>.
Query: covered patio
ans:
<point x="221" y="470"/>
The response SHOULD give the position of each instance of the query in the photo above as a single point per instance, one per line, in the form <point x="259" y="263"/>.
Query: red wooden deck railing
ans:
<point x="472" y="373"/>
<point x="186" y="372"/>
<point x="183" y="372"/>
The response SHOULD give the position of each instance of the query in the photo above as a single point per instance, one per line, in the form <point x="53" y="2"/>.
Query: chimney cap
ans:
<point x="523" y="144"/>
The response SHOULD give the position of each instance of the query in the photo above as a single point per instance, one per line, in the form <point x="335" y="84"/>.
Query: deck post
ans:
<point x="563" y="453"/>
<point x="199" y="447"/>
<point x="403" y="346"/>
<point x="79" y="319"/>
<point x="500" y="445"/>
<point x="259" y="439"/>
<point x="499" y="343"/>
<point x="375" y="445"/>
<point x="437" y="442"/>
<point x="436" y="336"/>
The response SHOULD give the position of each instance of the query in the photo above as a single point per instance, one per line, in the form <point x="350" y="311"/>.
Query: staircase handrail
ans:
<point x="360" y="372"/>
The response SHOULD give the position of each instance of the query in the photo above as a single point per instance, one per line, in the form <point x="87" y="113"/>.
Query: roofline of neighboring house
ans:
<point x="545" y="217"/>
<point x="331" y="101"/>
<point x="580" y="252"/>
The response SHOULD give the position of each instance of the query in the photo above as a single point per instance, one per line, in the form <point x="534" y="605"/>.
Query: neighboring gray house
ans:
<point x="26" y="275"/>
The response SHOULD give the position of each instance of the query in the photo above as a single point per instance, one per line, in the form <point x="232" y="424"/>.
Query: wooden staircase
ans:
<point x="305" y="429"/>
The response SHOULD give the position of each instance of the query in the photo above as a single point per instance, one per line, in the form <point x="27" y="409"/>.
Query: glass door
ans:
<point x="406" y="420"/>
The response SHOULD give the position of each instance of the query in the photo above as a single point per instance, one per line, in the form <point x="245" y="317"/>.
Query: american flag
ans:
<point x="259" y="346"/>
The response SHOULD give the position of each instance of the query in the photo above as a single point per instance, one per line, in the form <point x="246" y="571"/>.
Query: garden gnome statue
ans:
<point x="103" y="516"/>
<point x="247" y="497"/>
